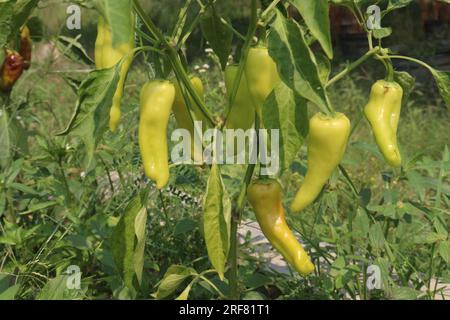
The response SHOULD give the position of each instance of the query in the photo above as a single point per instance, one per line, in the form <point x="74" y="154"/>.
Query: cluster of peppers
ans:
<point x="327" y="140"/>
<point x="15" y="63"/>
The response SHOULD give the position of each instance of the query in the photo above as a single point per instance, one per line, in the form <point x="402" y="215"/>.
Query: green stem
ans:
<point x="269" y="9"/>
<point x="430" y="268"/>
<point x="173" y="57"/>
<point x="192" y="26"/>
<point x="235" y="220"/>
<point x="423" y="64"/>
<point x="230" y="27"/>
<point x="233" y="277"/>
<point x="390" y="71"/>
<point x="245" y="49"/>
<point x="181" y="21"/>
<point x="352" y="67"/>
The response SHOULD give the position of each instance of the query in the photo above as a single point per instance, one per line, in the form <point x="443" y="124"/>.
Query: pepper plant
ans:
<point x="278" y="78"/>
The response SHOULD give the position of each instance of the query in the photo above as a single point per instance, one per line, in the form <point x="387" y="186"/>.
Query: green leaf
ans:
<point x="382" y="33"/>
<point x="426" y="237"/>
<point x="376" y="236"/>
<point x="361" y="223"/>
<point x="25" y="189"/>
<point x="219" y="36"/>
<point x="257" y="280"/>
<point x="122" y="27"/>
<point x="324" y="66"/>
<point x="440" y="226"/>
<point x="57" y="289"/>
<point x="13" y="138"/>
<point x="185" y="226"/>
<point x="287" y="112"/>
<point x="7" y="139"/>
<point x="254" y="295"/>
<point x="217" y="221"/>
<point x="387" y="210"/>
<point x="185" y="294"/>
<point x="396" y="4"/>
<point x="172" y="280"/>
<point x="140" y="224"/>
<point x="442" y="79"/>
<point x="6" y="17"/>
<point x="13" y="15"/>
<point x="444" y="251"/>
<point x="404" y="293"/>
<point x="40" y="206"/>
<point x="8" y="289"/>
<point x="406" y="81"/>
<point x="73" y="49"/>
<point x="296" y="63"/>
<point x="91" y="116"/>
<point x="128" y="242"/>
<point x="10" y="293"/>
<point x="317" y="18"/>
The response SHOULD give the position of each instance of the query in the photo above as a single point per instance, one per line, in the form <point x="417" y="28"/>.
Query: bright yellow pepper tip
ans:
<point x="265" y="197"/>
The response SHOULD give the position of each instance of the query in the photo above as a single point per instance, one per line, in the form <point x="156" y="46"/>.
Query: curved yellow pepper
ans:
<point x="106" y="56"/>
<point x="242" y="115"/>
<point x="262" y="75"/>
<point x="183" y="116"/>
<point x="265" y="198"/>
<point x="327" y="142"/>
<point x="383" y="114"/>
<point x="157" y="99"/>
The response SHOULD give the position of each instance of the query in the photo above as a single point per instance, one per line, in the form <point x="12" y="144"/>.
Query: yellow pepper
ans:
<point x="327" y="142"/>
<point x="262" y="75"/>
<point x="242" y="115"/>
<point x="383" y="114"/>
<point x="107" y="56"/>
<point x="157" y="99"/>
<point x="183" y="116"/>
<point x="265" y="198"/>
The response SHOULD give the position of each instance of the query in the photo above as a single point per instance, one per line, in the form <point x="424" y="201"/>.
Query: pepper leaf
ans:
<point x="13" y="14"/>
<point x="91" y="115"/>
<point x="288" y="112"/>
<point x="128" y="242"/>
<point x="296" y="62"/>
<point x="406" y="81"/>
<point x="119" y="13"/>
<point x="172" y="280"/>
<point x="442" y="79"/>
<point x="217" y="220"/>
<point x="219" y="36"/>
<point x="316" y="16"/>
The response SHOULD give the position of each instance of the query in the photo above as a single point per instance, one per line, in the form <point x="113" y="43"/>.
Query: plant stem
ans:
<point x="245" y="49"/>
<point x="173" y="57"/>
<point x="269" y="9"/>
<point x="423" y="64"/>
<point x="235" y="220"/>
<point x="352" y="66"/>
<point x="430" y="268"/>
<point x="233" y="277"/>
